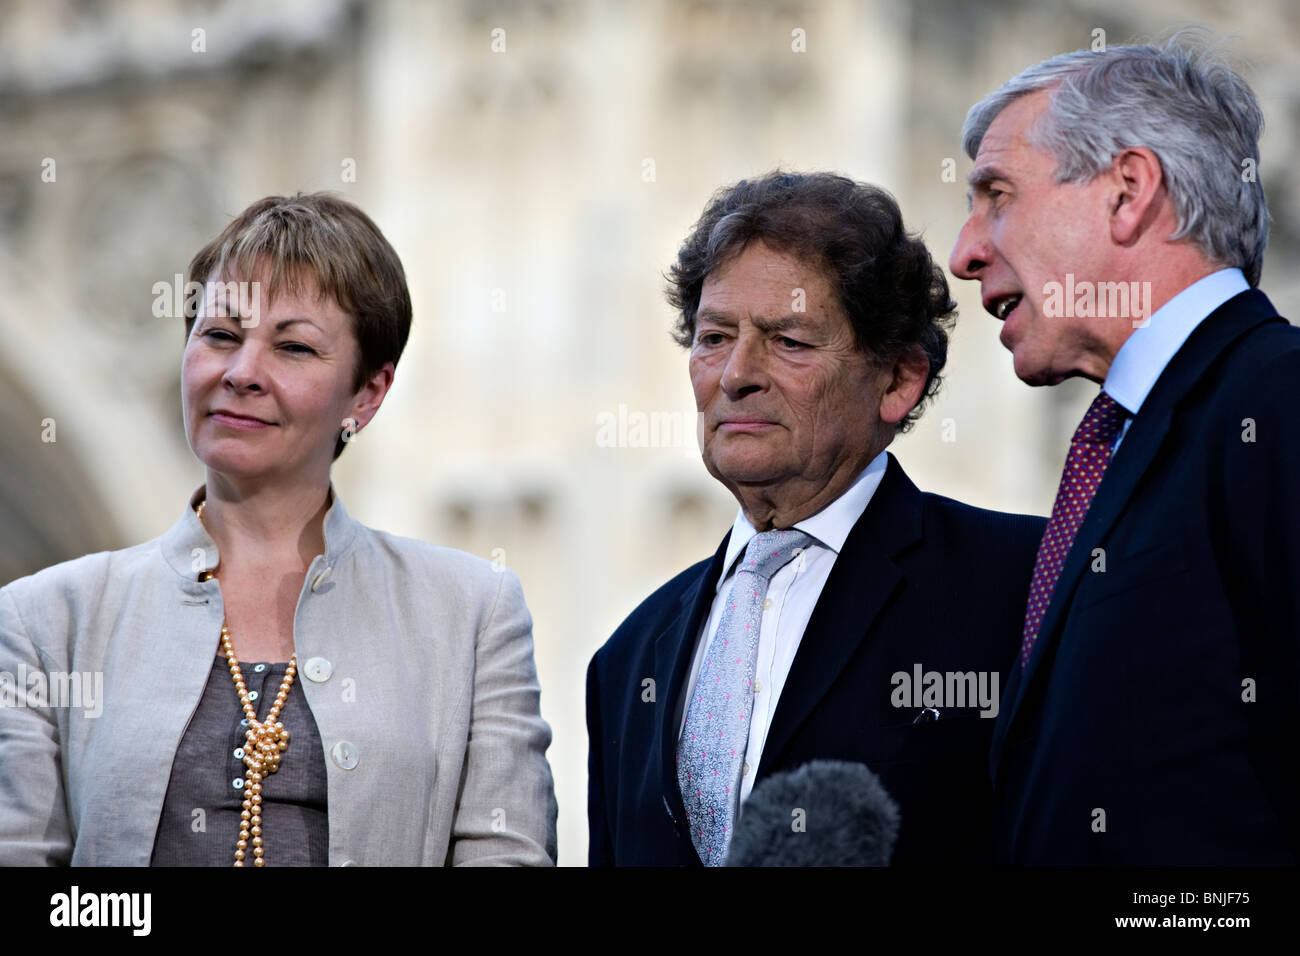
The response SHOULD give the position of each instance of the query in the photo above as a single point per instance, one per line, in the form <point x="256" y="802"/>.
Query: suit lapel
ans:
<point x="673" y="650"/>
<point x="1145" y="436"/>
<point x="861" y="581"/>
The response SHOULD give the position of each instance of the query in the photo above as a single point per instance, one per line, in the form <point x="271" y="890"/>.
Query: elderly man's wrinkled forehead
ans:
<point x="803" y="253"/>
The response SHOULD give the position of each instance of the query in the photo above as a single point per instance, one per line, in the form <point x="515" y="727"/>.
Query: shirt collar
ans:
<point x="1141" y="360"/>
<point x="189" y="549"/>
<point x="830" y="526"/>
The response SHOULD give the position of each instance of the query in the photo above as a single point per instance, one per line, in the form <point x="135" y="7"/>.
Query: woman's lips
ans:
<point x="234" y="421"/>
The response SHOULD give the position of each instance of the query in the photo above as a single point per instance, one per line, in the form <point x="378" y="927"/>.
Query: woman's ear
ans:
<point x="371" y="395"/>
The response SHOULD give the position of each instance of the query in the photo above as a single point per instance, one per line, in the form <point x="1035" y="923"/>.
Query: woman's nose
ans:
<point x="244" y="373"/>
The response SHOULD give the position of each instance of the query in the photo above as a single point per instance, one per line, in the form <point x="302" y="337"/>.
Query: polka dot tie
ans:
<point x="711" y="749"/>
<point x="1089" y="455"/>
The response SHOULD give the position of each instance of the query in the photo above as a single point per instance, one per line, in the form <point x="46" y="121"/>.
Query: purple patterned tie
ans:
<point x="1089" y="455"/>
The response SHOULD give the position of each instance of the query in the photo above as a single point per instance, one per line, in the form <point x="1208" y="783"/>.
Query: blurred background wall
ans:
<point x="536" y="165"/>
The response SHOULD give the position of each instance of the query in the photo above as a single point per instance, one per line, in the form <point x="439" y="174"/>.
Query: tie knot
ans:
<point x="770" y="551"/>
<point x="1103" y="421"/>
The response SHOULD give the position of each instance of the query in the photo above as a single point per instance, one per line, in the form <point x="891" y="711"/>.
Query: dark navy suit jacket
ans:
<point x="921" y="579"/>
<point x="1156" y="721"/>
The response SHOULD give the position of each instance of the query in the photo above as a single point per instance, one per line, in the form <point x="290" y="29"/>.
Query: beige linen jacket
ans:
<point x="416" y="661"/>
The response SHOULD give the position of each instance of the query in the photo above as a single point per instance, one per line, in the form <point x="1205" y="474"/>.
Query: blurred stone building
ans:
<point x="535" y="164"/>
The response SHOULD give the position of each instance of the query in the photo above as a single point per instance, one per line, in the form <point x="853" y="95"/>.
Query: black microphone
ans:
<point x="825" y="813"/>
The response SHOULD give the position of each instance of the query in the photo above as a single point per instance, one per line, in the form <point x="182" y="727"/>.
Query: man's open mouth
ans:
<point x="1002" y="307"/>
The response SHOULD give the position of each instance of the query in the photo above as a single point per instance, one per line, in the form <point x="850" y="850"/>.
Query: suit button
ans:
<point x="349" y="863"/>
<point x="317" y="581"/>
<point x="758" y="687"/>
<point x="344" y="754"/>
<point x="318" y="670"/>
<point x="767" y="604"/>
<point x="744" y="769"/>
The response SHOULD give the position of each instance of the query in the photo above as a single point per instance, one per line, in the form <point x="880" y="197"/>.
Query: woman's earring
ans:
<point x="349" y="429"/>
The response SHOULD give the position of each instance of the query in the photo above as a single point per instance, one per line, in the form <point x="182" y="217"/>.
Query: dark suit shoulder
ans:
<point x="1254" y="378"/>
<point x="960" y="524"/>
<point x="1273" y="347"/>
<point x="1234" y="344"/>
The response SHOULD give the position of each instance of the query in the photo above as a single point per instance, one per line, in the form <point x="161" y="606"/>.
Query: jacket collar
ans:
<point x="830" y="526"/>
<point x="863" y="579"/>
<point x="672" y="654"/>
<point x="188" y="548"/>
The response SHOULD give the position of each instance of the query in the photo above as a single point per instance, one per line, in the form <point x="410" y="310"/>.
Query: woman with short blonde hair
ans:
<point x="282" y="684"/>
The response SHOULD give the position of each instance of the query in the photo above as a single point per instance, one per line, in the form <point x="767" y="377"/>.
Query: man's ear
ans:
<point x="1139" y="188"/>
<point x="906" y="387"/>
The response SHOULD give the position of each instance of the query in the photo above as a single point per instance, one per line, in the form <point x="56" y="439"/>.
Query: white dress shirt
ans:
<point x="1143" y="358"/>
<point x="791" y="596"/>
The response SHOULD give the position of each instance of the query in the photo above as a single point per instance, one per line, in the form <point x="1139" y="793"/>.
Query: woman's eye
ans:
<point x="301" y="349"/>
<point x="221" y="334"/>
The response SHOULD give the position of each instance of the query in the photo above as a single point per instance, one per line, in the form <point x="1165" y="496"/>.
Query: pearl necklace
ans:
<point x="264" y="744"/>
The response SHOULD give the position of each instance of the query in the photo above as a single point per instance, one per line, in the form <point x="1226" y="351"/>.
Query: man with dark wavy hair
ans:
<point x="816" y="327"/>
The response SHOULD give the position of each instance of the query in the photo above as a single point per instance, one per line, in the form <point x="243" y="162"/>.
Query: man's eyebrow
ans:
<point x="980" y="178"/>
<point x="779" y="324"/>
<point x="782" y="324"/>
<point x="717" y="318"/>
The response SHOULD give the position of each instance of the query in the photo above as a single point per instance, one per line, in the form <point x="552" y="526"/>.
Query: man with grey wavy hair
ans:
<point x="1199" y="117"/>
<point x="1117" y="228"/>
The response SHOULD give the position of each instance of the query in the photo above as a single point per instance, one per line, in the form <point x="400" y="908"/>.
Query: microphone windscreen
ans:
<point x="825" y="813"/>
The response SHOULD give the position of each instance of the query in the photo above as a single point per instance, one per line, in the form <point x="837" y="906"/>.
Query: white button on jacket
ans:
<point x="344" y="754"/>
<point x="318" y="669"/>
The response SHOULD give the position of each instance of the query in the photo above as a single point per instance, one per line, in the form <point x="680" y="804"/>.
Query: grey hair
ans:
<point x="1180" y="101"/>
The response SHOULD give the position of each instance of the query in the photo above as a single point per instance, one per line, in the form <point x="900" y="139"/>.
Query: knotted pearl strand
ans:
<point x="265" y="742"/>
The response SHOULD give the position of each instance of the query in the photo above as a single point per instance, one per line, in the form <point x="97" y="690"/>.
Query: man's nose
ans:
<point x="745" y="370"/>
<point x="972" y="251"/>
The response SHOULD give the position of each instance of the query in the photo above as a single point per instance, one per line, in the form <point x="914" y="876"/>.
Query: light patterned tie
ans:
<point x="711" y="749"/>
<point x="1090" y="450"/>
